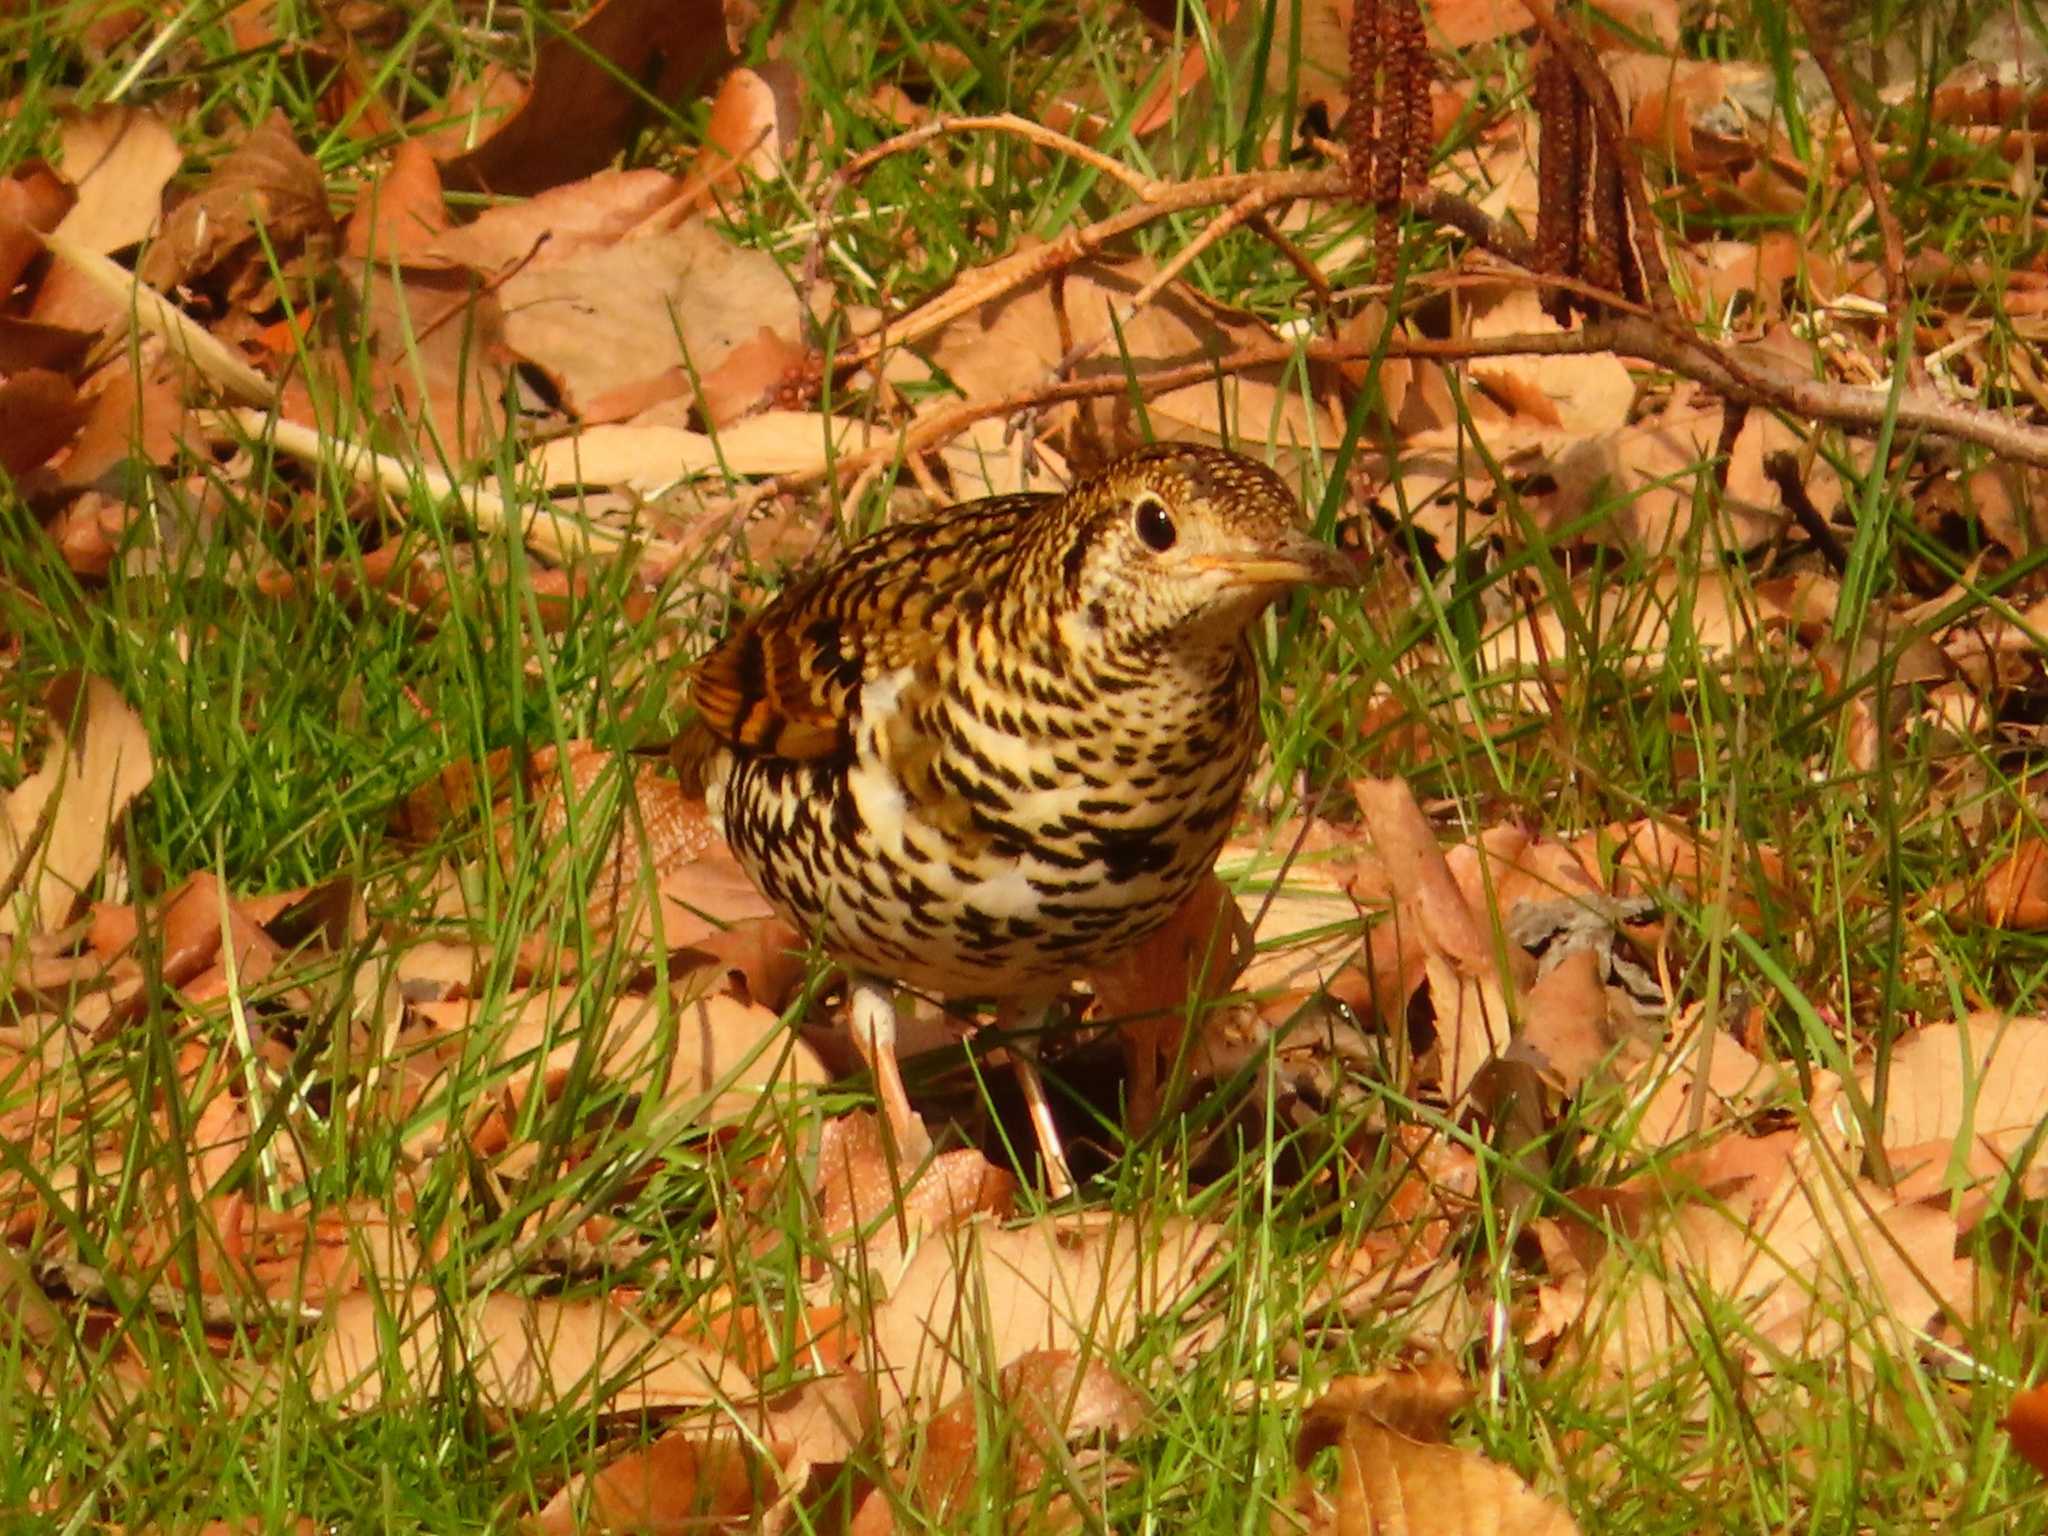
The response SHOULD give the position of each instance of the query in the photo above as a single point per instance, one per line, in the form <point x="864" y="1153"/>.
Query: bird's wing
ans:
<point x="787" y="682"/>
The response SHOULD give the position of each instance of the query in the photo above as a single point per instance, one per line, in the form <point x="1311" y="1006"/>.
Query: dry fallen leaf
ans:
<point x="686" y="1481"/>
<point x="981" y="1296"/>
<point x="606" y="320"/>
<point x="263" y="208"/>
<point x="1395" y="1477"/>
<point x="119" y="159"/>
<point x="1963" y="1105"/>
<point x="1041" y="1402"/>
<point x="2026" y="1420"/>
<point x="590" y="89"/>
<point x="56" y="826"/>
<point x="517" y="1354"/>
<point x="1011" y="344"/>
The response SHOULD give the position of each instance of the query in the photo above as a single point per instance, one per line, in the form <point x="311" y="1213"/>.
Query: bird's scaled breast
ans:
<point x="1002" y="833"/>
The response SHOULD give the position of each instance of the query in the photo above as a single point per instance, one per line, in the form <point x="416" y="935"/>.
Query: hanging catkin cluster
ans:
<point x="1578" y="182"/>
<point x="1388" y="128"/>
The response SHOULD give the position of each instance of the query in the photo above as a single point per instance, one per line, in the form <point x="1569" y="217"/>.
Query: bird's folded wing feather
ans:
<point x="787" y="682"/>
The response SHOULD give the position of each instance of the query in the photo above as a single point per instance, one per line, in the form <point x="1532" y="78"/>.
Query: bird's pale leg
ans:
<point x="873" y="1010"/>
<point x="1059" y="1178"/>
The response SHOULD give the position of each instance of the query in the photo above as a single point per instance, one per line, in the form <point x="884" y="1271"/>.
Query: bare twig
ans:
<point x="1752" y="381"/>
<point x="1782" y="469"/>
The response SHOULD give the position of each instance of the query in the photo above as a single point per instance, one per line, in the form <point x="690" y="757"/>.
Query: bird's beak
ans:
<point x="1304" y="562"/>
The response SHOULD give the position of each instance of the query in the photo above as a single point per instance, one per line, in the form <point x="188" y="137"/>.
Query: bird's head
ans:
<point x="1180" y="545"/>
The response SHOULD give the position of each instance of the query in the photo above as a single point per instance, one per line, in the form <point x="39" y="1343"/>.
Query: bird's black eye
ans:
<point x="1155" y="526"/>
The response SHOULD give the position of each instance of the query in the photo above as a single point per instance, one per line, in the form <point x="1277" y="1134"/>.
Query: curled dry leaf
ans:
<point x="33" y="198"/>
<point x="1432" y="923"/>
<point x="56" y="825"/>
<point x="263" y="210"/>
<point x="752" y="127"/>
<point x="517" y="1354"/>
<point x="1396" y="1477"/>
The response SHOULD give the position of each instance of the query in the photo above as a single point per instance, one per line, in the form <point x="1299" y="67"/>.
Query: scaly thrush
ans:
<point x="982" y="754"/>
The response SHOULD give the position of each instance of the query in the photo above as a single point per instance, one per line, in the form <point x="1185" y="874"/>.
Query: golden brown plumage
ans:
<point x="985" y="753"/>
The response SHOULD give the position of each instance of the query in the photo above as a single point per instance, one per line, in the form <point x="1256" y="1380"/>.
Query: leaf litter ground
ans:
<point x="1620" y="996"/>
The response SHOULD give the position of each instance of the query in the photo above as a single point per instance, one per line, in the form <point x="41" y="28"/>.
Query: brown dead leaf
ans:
<point x="261" y="214"/>
<point x="988" y="459"/>
<point x="1149" y="991"/>
<point x="665" y="878"/>
<point x="1045" y="1401"/>
<point x="602" y="320"/>
<point x="56" y="825"/>
<point x="1432" y="920"/>
<point x="437" y="363"/>
<point x="1814" y="1262"/>
<point x="650" y="458"/>
<point x="40" y="412"/>
<point x="33" y="200"/>
<point x="2012" y="893"/>
<point x="1963" y="1105"/>
<point x="861" y="1186"/>
<point x="1569" y="396"/>
<point x="119" y="159"/>
<point x="983" y="1296"/>
<point x="1296" y="910"/>
<point x="684" y="1482"/>
<point x="1566" y="1031"/>
<point x="311" y="1257"/>
<point x="2026" y="1420"/>
<point x="590" y="93"/>
<point x="1396" y="1477"/>
<point x="399" y="217"/>
<point x="752" y="126"/>
<point x="604" y="210"/>
<point x="1696" y="1083"/>
<point x="1653" y="854"/>
<point x="517" y="1354"/>
<point x="709" y="1061"/>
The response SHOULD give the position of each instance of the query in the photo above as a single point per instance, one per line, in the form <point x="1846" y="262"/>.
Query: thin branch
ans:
<point x="1749" y="381"/>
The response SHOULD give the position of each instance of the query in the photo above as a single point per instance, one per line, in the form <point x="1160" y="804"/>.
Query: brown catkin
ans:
<point x="1417" y="139"/>
<point x="1365" y="69"/>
